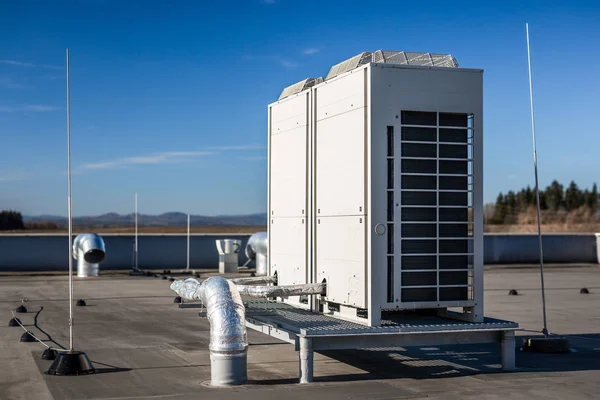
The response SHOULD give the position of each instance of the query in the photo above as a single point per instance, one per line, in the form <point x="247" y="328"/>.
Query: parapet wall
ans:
<point x="49" y="252"/>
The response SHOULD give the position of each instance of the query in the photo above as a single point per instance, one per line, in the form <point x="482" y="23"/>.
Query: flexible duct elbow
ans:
<point x="226" y="315"/>
<point x="257" y="244"/>
<point x="257" y="249"/>
<point x="89" y="251"/>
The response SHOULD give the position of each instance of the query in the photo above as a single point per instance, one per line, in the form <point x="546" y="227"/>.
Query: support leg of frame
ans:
<point x="306" y="360"/>
<point x="508" y="350"/>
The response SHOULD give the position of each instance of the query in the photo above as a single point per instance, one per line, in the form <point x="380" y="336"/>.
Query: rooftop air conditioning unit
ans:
<point x="376" y="187"/>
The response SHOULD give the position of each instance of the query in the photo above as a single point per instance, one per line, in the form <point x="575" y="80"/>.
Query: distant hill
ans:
<point x="166" y="219"/>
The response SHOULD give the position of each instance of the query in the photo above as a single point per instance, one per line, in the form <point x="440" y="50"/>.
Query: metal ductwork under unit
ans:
<point x="269" y="292"/>
<point x="226" y="315"/>
<point x="255" y="280"/>
<point x="89" y="251"/>
<point x="257" y="249"/>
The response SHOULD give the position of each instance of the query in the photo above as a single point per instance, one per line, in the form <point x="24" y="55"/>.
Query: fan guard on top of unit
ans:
<point x="393" y="57"/>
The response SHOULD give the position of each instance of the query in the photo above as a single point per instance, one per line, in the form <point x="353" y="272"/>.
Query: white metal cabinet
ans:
<point x="289" y="206"/>
<point x="385" y="219"/>
<point x="426" y="188"/>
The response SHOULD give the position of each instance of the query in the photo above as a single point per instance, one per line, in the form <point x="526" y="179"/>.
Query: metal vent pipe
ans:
<point x="257" y="249"/>
<point x="226" y="315"/>
<point x="283" y="291"/>
<point x="89" y="251"/>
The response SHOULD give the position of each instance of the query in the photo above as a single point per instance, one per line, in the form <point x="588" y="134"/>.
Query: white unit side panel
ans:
<point x="288" y="156"/>
<point x="395" y="88"/>
<point x="288" y="249"/>
<point x="341" y="95"/>
<point x="289" y="113"/>
<point x="340" y="165"/>
<point x="341" y="259"/>
<point x="289" y="170"/>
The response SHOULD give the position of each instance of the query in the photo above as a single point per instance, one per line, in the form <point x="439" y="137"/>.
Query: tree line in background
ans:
<point x="13" y="221"/>
<point x="555" y="201"/>
<point x="559" y="205"/>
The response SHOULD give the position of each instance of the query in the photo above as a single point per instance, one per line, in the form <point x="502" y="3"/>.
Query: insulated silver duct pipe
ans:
<point x="282" y="291"/>
<point x="242" y="283"/>
<point x="257" y="249"/>
<point x="226" y="315"/>
<point x="257" y="280"/>
<point x="89" y="251"/>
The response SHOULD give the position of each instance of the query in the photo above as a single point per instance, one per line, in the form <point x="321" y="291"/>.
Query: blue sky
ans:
<point x="169" y="99"/>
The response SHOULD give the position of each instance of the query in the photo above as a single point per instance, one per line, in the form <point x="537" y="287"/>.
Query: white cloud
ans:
<point x="28" y="64"/>
<point x="13" y="85"/>
<point x="40" y="108"/>
<point x="17" y="63"/>
<point x="284" y="62"/>
<point x="254" y="158"/>
<point x="165" y="157"/>
<point x="310" y="51"/>
<point x="241" y="147"/>
<point x="288" y="63"/>
<point x="13" y="176"/>
<point x="158" y="158"/>
<point x="8" y="83"/>
<point x="29" y="107"/>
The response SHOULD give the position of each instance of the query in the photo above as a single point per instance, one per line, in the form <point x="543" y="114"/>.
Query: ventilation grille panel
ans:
<point x="435" y="241"/>
<point x="299" y="87"/>
<point x="395" y="58"/>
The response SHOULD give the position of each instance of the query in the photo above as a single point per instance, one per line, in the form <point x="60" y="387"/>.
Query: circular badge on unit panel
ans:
<point x="380" y="229"/>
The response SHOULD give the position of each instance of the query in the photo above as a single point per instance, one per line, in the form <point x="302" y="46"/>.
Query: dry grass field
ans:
<point x="577" y="221"/>
<point x="546" y="228"/>
<point x="152" y="229"/>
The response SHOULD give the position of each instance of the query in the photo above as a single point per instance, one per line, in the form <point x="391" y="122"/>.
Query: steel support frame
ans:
<point x="306" y="345"/>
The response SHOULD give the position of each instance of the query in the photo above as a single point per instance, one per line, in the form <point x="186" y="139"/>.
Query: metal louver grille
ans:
<point x="390" y="215"/>
<point x="300" y="86"/>
<point x="436" y="186"/>
<point x="349" y="64"/>
<point x="393" y="57"/>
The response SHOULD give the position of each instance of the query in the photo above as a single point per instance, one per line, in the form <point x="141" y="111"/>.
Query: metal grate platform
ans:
<point x="310" y="324"/>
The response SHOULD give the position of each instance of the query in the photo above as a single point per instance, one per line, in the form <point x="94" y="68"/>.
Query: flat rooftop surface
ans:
<point x="145" y="347"/>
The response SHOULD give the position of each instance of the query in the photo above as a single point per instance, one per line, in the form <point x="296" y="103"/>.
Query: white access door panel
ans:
<point x="288" y="241"/>
<point x="288" y="162"/>
<point x="290" y="113"/>
<point x="341" y="259"/>
<point x="288" y="173"/>
<point x="340" y="146"/>
<point x="341" y="95"/>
